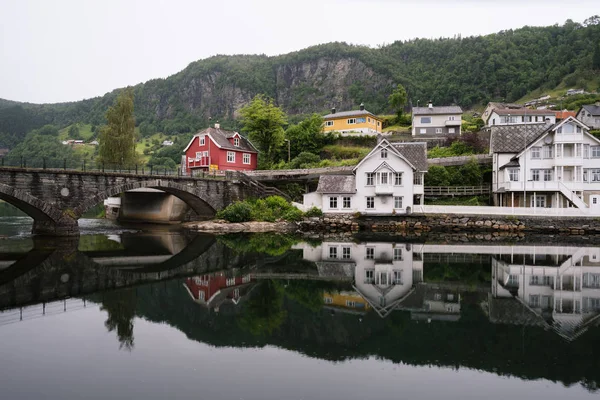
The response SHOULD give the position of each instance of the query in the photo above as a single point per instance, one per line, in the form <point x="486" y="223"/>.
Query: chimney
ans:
<point x="362" y="107"/>
<point x="217" y="125"/>
<point x="598" y="104"/>
<point x="430" y="105"/>
<point x="333" y="110"/>
<point x="548" y="122"/>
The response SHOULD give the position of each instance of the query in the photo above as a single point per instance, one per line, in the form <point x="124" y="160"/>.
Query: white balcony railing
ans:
<point x="384" y="189"/>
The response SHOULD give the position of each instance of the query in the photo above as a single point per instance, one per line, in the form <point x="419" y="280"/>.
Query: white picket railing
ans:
<point x="488" y="210"/>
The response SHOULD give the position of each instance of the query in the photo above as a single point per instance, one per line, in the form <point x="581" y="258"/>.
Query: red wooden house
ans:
<point x="218" y="149"/>
<point x="213" y="290"/>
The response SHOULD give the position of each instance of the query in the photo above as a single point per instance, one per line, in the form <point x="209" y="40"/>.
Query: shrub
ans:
<point x="313" y="212"/>
<point x="237" y="212"/>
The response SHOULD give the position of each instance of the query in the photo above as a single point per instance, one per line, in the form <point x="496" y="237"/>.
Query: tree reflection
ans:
<point x="263" y="312"/>
<point x="120" y="306"/>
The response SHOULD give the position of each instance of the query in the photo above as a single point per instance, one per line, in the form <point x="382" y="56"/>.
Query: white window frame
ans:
<point x="236" y="141"/>
<point x="328" y="123"/>
<point x="370" y="201"/>
<point x="425" y="120"/>
<point x="333" y="252"/>
<point x="384" y="153"/>
<point x="513" y="174"/>
<point x="423" y="131"/>
<point x="538" y="201"/>
<point x="451" y="130"/>
<point x="397" y="277"/>
<point x="438" y="130"/>
<point x="247" y="158"/>
<point x="198" y="155"/>
<point x="346" y="253"/>
<point x="418" y="178"/>
<point x="351" y="121"/>
<point x="536" y="153"/>
<point x="333" y="203"/>
<point x="548" y="175"/>
<point x="202" y="140"/>
<point x="369" y="275"/>
<point x="535" y="175"/>
<point x="370" y="254"/>
<point x="370" y="179"/>
<point x="397" y="254"/>
<point x="231" y="156"/>
<point x="451" y="118"/>
<point x="594" y="174"/>
<point x="346" y="202"/>
<point x="398" y="200"/>
<point x="595" y="152"/>
<point x="397" y="178"/>
<point x="548" y="151"/>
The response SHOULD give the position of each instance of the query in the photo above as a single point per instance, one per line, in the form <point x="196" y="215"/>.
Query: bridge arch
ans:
<point x="199" y="202"/>
<point x="37" y="209"/>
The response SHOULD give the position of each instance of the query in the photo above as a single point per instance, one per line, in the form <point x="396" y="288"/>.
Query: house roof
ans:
<point x="592" y="109"/>
<point x="437" y="110"/>
<point x="565" y="114"/>
<point x="336" y="184"/>
<point x="221" y="138"/>
<point x="415" y="153"/>
<point x="510" y="138"/>
<point x="353" y="113"/>
<point x="499" y="106"/>
<point x="523" y="111"/>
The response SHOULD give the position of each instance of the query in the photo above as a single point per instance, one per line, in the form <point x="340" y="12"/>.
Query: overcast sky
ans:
<point x="67" y="50"/>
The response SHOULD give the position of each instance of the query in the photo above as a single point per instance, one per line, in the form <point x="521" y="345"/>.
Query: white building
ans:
<point x="548" y="165"/>
<point x="508" y="113"/>
<point x="389" y="180"/>
<point x="558" y="288"/>
<point x="589" y="114"/>
<point x="436" y="121"/>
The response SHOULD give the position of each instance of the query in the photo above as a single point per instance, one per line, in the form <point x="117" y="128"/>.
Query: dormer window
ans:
<point x="384" y="153"/>
<point x="202" y="141"/>
<point x="236" y="141"/>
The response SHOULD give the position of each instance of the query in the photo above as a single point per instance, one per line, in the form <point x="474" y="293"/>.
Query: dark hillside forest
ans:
<point x="466" y="71"/>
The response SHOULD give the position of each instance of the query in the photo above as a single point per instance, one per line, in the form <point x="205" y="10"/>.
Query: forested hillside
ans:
<point x="465" y="71"/>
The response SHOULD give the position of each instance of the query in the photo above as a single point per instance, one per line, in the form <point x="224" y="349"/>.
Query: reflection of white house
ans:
<point x="388" y="180"/>
<point x="552" y="165"/>
<point x="558" y="288"/>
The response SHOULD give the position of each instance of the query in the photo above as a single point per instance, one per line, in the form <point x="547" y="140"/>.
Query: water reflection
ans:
<point x="497" y="308"/>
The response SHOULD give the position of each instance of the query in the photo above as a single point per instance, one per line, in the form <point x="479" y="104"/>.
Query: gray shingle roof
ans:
<point x="524" y="111"/>
<point x="415" y="153"/>
<point x="437" y="110"/>
<point x="510" y="138"/>
<point x="592" y="109"/>
<point x="353" y="113"/>
<point x="336" y="184"/>
<point x="222" y="137"/>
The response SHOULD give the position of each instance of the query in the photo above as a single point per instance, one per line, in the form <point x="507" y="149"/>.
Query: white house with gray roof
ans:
<point x="436" y="121"/>
<point x="590" y="115"/>
<point x="389" y="180"/>
<point x="547" y="165"/>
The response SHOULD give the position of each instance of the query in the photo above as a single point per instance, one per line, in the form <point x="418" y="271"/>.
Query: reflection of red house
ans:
<point x="212" y="290"/>
<point x="218" y="149"/>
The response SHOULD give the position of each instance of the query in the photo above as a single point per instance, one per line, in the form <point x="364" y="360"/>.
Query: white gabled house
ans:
<point x="547" y="165"/>
<point x="389" y="180"/>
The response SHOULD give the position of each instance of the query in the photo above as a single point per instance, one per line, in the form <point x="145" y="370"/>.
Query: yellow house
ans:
<point x="355" y="121"/>
<point x="346" y="301"/>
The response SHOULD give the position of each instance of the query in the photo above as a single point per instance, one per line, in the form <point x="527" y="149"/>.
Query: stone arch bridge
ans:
<point x="56" y="199"/>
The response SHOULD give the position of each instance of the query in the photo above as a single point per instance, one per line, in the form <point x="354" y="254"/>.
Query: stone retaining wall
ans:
<point x="450" y="223"/>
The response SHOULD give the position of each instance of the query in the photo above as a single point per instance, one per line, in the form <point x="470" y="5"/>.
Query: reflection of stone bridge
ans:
<point x="56" y="199"/>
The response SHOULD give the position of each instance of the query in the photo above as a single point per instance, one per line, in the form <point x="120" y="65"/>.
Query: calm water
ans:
<point x="126" y="313"/>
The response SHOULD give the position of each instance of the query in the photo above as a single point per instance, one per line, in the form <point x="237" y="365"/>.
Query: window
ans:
<point x="328" y="300"/>
<point x="417" y="178"/>
<point x="438" y="130"/>
<point x="370" y="202"/>
<point x="538" y="201"/>
<point x="231" y="156"/>
<point x="595" y="151"/>
<point x="369" y="276"/>
<point x="378" y="123"/>
<point x="333" y="252"/>
<point x="328" y="123"/>
<point x="382" y="178"/>
<point x="205" y="154"/>
<point x="350" y="303"/>
<point x="451" y="130"/>
<point x="360" y="120"/>
<point x="201" y="295"/>
<point x="559" y="149"/>
<point x="351" y="121"/>
<point x="384" y="153"/>
<point x="513" y="174"/>
<point x="423" y="131"/>
<point x="451" y="118"/>
<point x="397" y="254"/>
<point x="578" y="129"/>
<point x="202" y="141"/>
<point x="586" y="151"/>
<point x="398" y="202"/>
<point x="425" y="120"/>
<point x="369" y="120"/>
<point x="547" y="175"/>
<point x="513" y="280"/>
<point x="578" y="150"/>
<point x="333" y="202"/>
<point x="198" y="155"/>
<point x="370" y="178"/>
<point x="534" y="300"/>
<point x="345" y="253"/>
<point x="535" y="152"/>
<point x="535" y="175"/>
<point x="230" y="281"/>
<point x="595" y="174"/>
<point x="346" y="202"/>
<point x="398" y="178"/>
<point x="370" y="253"/>
<point x="236" y="141"/>
<point x="585" y="175"/>
<point x="246" y="158"/>
<point x="383" y="278"/>
<point x="548" y="153"/>
<point x="397" y="277"/>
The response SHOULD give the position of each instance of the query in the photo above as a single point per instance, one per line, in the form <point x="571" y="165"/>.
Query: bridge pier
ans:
<point x="65" y="227"/>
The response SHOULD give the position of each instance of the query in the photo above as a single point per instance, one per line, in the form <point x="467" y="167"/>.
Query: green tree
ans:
<point x="263" y="312"/>
<point x="398" y="99"/>
<point x="117" y="139"/>
<point x="307" y="136"/>
<point x="46" y="130"/>
<point x="596" y="57"/>
<point x="264" y="121"/>
<point x="74" y="132"/>
<point x="39" y="149"/>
